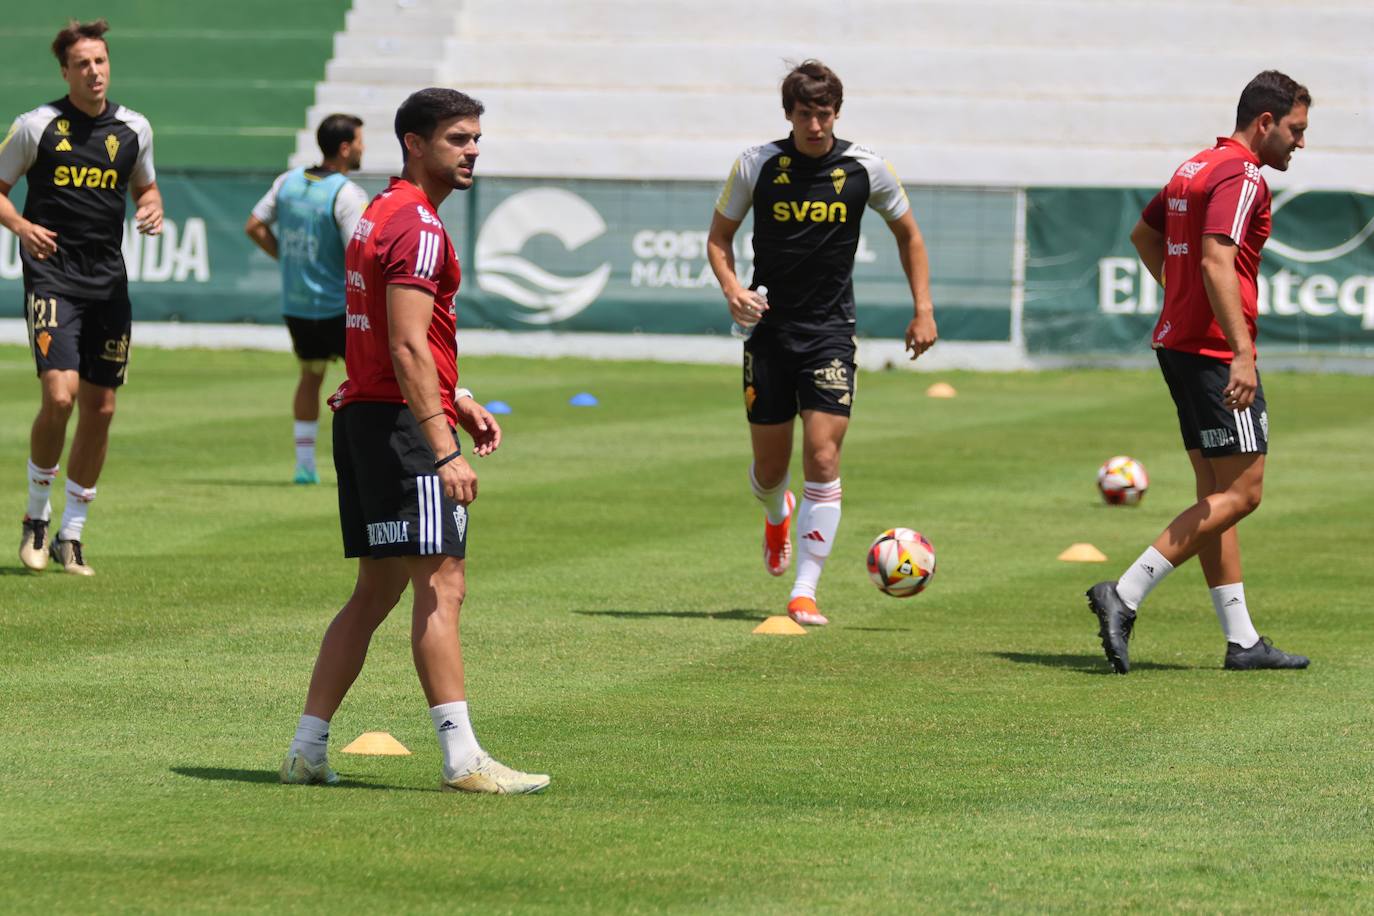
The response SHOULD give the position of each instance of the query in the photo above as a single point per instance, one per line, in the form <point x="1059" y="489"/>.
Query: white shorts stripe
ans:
<point x="430" y="512"/>
<point x="422" y="494"/>
<point x="1245" y="429"/>
<point x="1249" y="190"/>
<point x="437" y="508"/>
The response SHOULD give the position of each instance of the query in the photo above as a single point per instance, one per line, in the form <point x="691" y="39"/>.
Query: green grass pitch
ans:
<point x="964" y="749"/>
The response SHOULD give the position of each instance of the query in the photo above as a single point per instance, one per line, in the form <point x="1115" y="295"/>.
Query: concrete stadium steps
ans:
<point x="1074" y="72"/>
<point x="599" y="131"/>
<point x="964" y="91"/>
<point x="224" y="85"/>
<point x="976" y="25"/>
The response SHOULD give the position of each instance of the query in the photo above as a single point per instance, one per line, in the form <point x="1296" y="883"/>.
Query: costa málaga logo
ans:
<point x="501" y="269"/>
<point x="1314" y="256"/>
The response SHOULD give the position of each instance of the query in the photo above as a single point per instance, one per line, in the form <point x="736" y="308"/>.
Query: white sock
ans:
<point x="456" y="739"/>
<point x="1229" y="601"/>
<point x="40" y="491"/>
<point x="1145" y="573"/>
<point x="818" y="518"/>
<point x="312" y="739"/>
<point x="774" y="500"/>
<point x="74" y="512"/>
<point x="306" y="431"/>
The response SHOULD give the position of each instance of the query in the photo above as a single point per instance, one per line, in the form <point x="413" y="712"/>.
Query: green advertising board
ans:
<point x="630" y="256"/>
<point x="566" y="255"/>
<point x="1086" y="291"/>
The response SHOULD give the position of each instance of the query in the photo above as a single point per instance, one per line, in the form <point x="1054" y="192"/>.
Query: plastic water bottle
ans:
<point x="742" y="331"/>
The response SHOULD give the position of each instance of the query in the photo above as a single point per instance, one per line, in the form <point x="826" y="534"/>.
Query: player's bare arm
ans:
<point x="745" y="307"/>
<point x="409" y="311"/>
<point x="262" y="236"/>
<point x="1149" y="244"/>
<point x="1223" y="291"/>
<point x="148" y="209"/>
<point x="921" y="333"/>
<point x="38" y="241"/>
<point x="478" y="423"/>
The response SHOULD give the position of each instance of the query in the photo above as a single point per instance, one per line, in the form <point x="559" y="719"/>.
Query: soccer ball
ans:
<point x="901" y="562"/>
<point x="1122" y="481"/>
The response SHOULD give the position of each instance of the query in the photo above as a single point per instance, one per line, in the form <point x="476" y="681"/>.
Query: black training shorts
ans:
<point x="90" y="336"/>
<point x="391" y="503"/>
<point x="785" y="373"/>
<point x="317" y="338"/>
<point x="1196" y="383"/>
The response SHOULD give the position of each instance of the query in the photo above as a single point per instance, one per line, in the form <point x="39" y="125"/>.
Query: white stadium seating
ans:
<point x="976" y="92"/>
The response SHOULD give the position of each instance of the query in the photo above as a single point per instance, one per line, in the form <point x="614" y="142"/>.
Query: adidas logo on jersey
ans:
<point x="63" y="146"/>
<point x="782" y="179"/>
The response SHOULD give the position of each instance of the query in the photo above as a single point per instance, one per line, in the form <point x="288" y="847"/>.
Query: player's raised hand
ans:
<point x="39" y="242"/>
<point x="148" y="218"/>
<point x="921" y="334"/>
<point x="478" y="423"/>
<point x="459" y="481"/>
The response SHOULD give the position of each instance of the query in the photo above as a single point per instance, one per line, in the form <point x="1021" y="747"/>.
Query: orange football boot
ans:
<point x="777" y="542"/>
<point x="803" y="610"/>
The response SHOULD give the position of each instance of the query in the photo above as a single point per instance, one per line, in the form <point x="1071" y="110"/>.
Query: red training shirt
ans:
<point x="1218" y="192"/>
<point x="399" y="241"/>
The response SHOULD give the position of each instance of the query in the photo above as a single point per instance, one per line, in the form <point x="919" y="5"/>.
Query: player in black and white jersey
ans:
<point x="808" y="192"/>
<point x="82" y="155"/>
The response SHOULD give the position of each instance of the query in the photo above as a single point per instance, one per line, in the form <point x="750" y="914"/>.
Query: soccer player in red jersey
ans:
<point x="404" y="486"/>
<point x="1200" y="237"/>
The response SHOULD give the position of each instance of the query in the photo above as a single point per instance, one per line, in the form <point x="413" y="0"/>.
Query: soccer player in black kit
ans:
<point x="808" y="192"/>
<point x="81" y="154"/>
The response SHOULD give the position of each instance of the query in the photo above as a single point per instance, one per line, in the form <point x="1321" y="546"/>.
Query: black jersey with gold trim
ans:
<point x="80" y="171"/>
<point x="806" y="225"/>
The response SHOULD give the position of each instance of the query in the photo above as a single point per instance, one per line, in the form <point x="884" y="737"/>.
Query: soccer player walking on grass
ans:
<point x="808" y="192"/>
<point x="404" y="486"/>
<point x="315" y="211"/>
<point x="82" y="156"/>
<point x="1200" y="237"/>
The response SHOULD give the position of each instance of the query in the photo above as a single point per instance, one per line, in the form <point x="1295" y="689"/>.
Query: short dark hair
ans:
<point x="336" y="130"/>
<point x="1272" y="92"/>
<point x="76" y="31"/>
<point x="426" y="109"/>
<point x="812" y="83"/>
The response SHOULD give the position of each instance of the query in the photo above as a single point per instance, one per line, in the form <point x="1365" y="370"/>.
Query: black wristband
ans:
<point x="430" y="417"/>
<point x="443" y="461"/>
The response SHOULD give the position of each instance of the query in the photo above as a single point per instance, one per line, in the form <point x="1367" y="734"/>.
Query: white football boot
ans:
<point x="488" y="776"/>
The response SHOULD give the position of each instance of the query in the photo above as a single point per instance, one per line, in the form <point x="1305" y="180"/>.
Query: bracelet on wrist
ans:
<point x="446" y="459"/>
<point x="461" y="393"/>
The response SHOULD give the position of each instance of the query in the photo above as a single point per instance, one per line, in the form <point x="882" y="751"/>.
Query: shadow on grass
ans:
<point x="1087" y="664"/>
<point x="876" y="629"/>
<point x="220" y="482"/>
<point x="18" y="571"/>
<point x="269" y="777"/>
<point x="736" y="614"/>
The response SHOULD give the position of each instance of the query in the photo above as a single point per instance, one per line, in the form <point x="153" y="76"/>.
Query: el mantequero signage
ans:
<point x="630" y="256"/>
<point x="1086" y="291"/>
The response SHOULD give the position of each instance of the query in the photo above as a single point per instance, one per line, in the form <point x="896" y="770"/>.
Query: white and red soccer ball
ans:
<point x="901" y="562"/>
<point x="1122" y="480"/>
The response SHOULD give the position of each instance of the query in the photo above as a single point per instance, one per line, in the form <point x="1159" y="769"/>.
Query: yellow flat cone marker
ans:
<point x="377" y="744"/>
<point x="941" y="390"/>
<point x="781" y="625"/>
<point x="1083" y="553"/>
